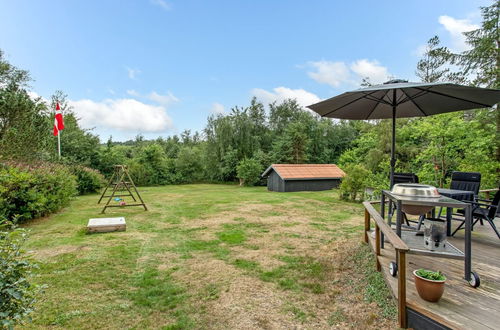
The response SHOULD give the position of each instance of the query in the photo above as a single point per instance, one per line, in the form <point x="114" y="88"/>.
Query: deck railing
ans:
<point x="400" y="247"/>
<point x="487" y="192"/>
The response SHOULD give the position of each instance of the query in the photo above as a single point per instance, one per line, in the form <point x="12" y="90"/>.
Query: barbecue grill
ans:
<point x="420" y="199"/>
<point x="417" y="191"/>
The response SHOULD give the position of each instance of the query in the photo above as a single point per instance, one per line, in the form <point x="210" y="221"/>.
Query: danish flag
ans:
<point x="58" y="120"/>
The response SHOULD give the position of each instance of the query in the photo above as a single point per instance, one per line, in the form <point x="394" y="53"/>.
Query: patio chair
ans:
<point x="405" y="178"/>
<point x="469" y="181"/>
<point x="400" y="177"/>
<point x="484" y="210"/>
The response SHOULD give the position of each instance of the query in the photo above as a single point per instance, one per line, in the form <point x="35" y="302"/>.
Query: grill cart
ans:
<point x="419" y="199"/>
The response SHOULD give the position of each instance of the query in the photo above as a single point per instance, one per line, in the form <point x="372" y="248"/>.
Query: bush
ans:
<point x="17" y="293"/>
<point x="88" y="180"/>
<point x="249" y="171"/>
<point x="354" y="182"/>
<point x="32" y="191"/>
<point x="152" y="167"/>
<point x="188" y="165"/>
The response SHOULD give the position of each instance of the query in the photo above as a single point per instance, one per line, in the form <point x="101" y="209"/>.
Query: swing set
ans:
<point x="122" y="186"/>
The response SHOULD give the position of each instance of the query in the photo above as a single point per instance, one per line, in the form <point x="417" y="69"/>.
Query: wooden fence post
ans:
<point x="402" y="289"/>
<point x="367" y="225"/>
<point x="377" y="246"/>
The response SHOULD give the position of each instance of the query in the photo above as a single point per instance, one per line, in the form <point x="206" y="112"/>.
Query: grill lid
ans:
<point x="415" y="190"/>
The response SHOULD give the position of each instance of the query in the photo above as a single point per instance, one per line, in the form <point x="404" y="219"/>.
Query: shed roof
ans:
<point x="306" y="171"/>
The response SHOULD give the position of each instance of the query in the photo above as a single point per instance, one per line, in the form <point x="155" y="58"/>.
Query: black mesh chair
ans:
<point x="484" y="210"/>
<point x="469" y="181"/>
<point x="400" y="177"/>
<point x="405" y="178"/>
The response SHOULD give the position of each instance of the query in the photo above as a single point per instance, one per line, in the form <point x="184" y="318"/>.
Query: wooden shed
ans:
<point x="302" y="177"/>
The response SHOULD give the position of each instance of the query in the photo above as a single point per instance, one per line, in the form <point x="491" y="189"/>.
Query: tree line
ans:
<point x="243" y="142"/>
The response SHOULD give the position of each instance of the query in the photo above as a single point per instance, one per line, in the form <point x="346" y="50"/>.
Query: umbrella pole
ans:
<point x="393" y="145"/>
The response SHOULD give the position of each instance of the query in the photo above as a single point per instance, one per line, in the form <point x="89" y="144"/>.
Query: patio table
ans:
<point x="416" y="245"/>
<point x="460" y="195"/>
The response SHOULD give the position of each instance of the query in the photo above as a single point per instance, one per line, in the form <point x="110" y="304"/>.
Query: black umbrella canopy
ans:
<point x="410" y="100"/>
<point x="402" y="99"/>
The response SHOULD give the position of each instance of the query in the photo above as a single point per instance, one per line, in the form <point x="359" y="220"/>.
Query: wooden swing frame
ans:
<point x="119" y="180"/>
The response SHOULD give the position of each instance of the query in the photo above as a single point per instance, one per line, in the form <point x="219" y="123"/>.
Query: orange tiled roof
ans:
<point x="306" y="171"/>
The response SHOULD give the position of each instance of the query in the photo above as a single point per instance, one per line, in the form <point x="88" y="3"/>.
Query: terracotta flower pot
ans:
<point x="428" y="289"/>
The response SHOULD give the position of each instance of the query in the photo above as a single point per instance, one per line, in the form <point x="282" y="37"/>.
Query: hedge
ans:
<point x="88" y="180"/>
<point x="28" y="191"/>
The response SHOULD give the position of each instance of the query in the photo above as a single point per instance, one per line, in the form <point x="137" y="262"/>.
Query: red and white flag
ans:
<point x="58" y="120"/>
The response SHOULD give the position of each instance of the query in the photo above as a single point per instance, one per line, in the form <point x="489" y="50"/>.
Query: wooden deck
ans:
<point x="461" y="307"/>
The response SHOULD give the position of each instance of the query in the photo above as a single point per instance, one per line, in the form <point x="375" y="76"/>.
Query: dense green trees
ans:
<point x="24" y="125"/>
<point x="283" y="133"/>
<point x="286" y="133"/>
<point x="280" y="132"/>
<point x="435" y="146"/>
<point x="249" y="170"/>
<point x="483" y="59"/>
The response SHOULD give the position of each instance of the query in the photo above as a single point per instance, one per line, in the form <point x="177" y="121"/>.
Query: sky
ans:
<point x="158" y="67"/>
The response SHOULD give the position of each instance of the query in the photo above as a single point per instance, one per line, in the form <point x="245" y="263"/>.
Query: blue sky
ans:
<point x="157" y="67"/>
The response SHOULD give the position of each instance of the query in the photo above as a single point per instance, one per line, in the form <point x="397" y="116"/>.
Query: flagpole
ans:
<point x="59" y="143"/>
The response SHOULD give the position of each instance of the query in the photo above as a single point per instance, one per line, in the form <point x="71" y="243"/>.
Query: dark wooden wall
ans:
<point x="275" y="183"/>
<point x="311" y="185"/>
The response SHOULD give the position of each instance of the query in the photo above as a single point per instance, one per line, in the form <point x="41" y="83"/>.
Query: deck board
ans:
<point x="461" y="306"/>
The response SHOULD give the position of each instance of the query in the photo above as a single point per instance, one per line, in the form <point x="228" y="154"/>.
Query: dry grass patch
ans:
<point x="210" y="256"/>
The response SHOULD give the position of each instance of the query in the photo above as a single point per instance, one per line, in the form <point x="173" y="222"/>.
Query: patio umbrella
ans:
<point x="402" y="99"/>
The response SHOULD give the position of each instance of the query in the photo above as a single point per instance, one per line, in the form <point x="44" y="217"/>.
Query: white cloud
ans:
<point x="420" y="51"/>
<point x="162" y="3"/>
<point x="331" y="73"/>
<point x="132" y="92"/>
<point x="279" y="94"/>
<point x="122" y="114"/>
<point x="164" y="100"/>
<point x="33" y="95"/>
<point x="217" y="108"/>
<point x="456" y="28"/>
<point x="338" y="73"/>
<point x="132" y="73"/>
<point x="371" y="69"/>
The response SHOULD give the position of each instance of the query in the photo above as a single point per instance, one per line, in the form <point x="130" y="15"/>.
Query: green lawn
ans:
<point x="210" y="256"/>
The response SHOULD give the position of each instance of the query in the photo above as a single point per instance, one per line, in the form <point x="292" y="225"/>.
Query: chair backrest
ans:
<point x="405" y="178"/>
<point x="469" y="181"/>
<point x="492" y="212"/>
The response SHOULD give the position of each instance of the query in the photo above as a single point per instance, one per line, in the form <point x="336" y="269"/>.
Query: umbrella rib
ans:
<point x="345" y="105"/>
<point x="456" y="98"/>
<point x="401" y="98"/>
<point x="380" y="100"/>
<point x="371" y="111"/>
<point x="409" y="98"/>
<point x="376" y="104"/>
<point x="414" y="103"/>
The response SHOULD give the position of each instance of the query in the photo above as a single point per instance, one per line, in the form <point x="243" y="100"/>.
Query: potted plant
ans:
<point x="429" y="284"/>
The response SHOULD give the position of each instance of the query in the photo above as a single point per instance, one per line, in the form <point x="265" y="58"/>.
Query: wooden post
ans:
<point x="367" y="225"/>
<point x="377" y="246"/>
<point x="402" y="289"/>
<point x="107" y="186"/>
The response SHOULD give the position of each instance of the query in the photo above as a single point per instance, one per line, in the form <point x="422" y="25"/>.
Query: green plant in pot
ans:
<point x="429" y="284"/>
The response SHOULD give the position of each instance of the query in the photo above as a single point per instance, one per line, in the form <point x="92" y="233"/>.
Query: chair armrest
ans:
<point x="478" y="204"/>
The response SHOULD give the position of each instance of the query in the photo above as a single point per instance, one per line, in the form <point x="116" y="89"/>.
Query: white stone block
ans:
<point x="102" y="225"/>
